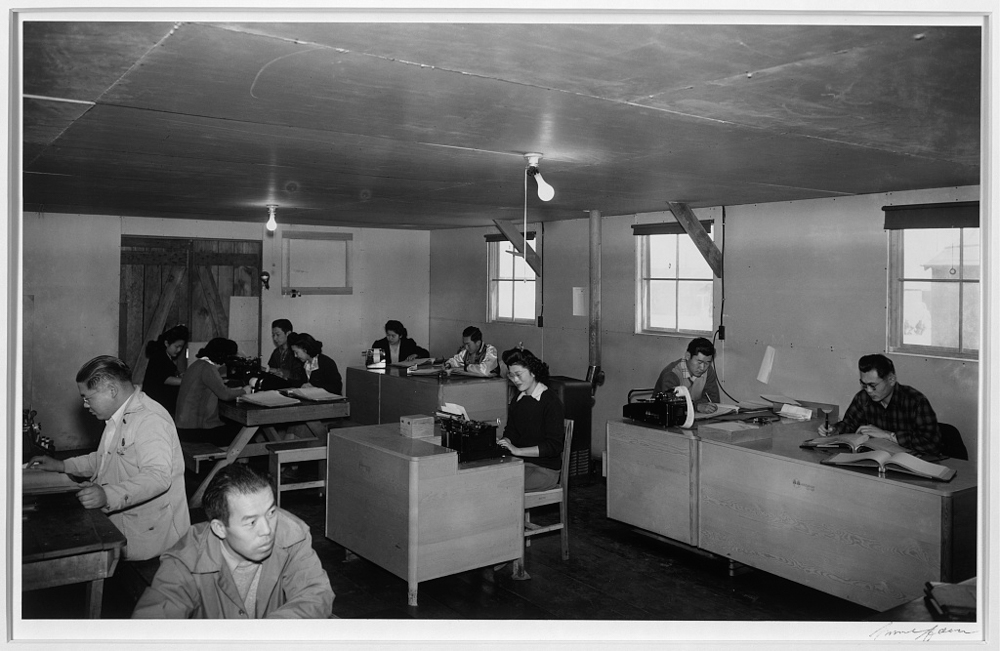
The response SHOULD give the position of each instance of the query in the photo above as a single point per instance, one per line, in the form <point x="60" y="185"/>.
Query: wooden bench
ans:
<point x="197" y="453"/>
<point x="295" y="452"/>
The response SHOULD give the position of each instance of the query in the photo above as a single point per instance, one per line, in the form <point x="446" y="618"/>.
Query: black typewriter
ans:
<point x="240" y="369"/>
<point x="472" y="439"/>
<point x="664" y="409"/>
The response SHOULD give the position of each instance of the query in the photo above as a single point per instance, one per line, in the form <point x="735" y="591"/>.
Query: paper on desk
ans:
<point x="721" y="409"/>
<point x="316" y="394"/>
<point x="455" y="410"/>
<point x="794" y="412"/>
<point x="34" y="482"/>
<point x="268" y="399"/>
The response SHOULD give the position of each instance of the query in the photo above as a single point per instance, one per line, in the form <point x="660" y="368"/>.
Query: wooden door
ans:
<point x="197" y="282"/>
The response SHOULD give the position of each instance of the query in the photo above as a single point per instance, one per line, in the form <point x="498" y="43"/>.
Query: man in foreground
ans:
<point x="885" y="409"/>
<point x="136" y="475"/>
<point x="251" y="560"/>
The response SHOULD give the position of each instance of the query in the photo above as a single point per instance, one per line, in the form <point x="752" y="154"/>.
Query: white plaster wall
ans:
<point x="71" y="270"/>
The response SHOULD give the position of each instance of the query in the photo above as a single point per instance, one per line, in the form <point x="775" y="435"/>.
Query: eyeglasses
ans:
<point x="872" y="385"/>
<point x="520" y="374"/>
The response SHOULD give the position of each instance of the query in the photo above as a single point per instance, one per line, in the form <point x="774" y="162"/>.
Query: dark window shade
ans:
<point x="957" y="214"/>
<point x="665" y="228"/>
<point x="499" y="237"/>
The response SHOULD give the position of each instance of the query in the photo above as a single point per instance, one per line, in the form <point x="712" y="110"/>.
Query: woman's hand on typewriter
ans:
<point x="513" y="449"/>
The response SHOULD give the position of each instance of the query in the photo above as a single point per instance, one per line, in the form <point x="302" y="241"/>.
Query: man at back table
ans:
<point x="251" y="560"/>
<point x="694" y="371"/>
<point x="885" y="409"/>
<point x="475" y="356"/>
<point x="136" y="475"/>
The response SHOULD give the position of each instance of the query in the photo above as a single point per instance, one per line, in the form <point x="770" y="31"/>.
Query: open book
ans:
<point x="854" y="443"/>
<point x="268" y="399"/>
<point x="900" y="462"/>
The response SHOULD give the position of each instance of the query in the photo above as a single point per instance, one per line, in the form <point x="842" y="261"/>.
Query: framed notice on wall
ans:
<point x="316" y="263"/>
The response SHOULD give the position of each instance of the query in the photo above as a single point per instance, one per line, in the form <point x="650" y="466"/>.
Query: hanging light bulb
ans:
<point x="545" y="191"/>
<point x="272" y="224"/>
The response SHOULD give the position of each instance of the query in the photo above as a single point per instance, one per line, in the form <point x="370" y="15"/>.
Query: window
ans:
<point x="934" y="281"/>
<point x="316" y="263"/>
<point x="513" y="284"/>
<point x="674" y="285"/>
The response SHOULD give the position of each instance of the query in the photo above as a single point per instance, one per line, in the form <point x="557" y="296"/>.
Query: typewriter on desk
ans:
<point x="662" y="408"/>
<point x="472" y="439"/>
<point x="240" y="369"/>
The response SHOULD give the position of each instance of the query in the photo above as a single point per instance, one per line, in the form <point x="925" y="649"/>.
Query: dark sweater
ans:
<point x="407" y="347"/>
<point x="537" y="422"/>
<point x="327" y="376"/>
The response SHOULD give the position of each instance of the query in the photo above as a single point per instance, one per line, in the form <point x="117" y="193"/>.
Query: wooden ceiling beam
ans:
<point x="509" y="230"/>
<point x="698" y="234"/>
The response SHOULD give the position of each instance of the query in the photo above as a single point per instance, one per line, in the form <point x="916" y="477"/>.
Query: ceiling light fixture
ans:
<point x="545" y="191"/>
<point x="272" y="224"/>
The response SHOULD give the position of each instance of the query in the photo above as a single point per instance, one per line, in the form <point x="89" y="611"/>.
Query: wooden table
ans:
<point x="377" y="397"/>
<point x="771" y="505"/>
<point x="408" y="506"/>
<point x="255" y="418"/>
<point x="63" y="543"/>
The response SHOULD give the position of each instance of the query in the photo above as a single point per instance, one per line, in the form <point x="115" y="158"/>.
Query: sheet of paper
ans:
<point x="764" y="375"/>
<point x="313" y="393"/>
<point x="794" y="412"/>
<point x="456" y="410"/>
<point x="720" y="410"/>
<point x="268" y="399"/>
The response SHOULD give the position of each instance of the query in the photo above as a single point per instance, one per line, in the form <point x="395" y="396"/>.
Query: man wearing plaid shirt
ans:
<point x="885" y="409"/>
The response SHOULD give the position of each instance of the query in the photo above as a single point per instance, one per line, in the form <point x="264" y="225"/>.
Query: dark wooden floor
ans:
<point x="614" y="573"/>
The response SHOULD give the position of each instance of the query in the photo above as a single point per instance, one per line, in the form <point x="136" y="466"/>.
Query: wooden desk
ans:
<point x="408" y="506"/>
<point x="771" y="505"/>
<point x="377" y="397"/>
<point x="254" y="417"/>
<point x="63" y="543"/>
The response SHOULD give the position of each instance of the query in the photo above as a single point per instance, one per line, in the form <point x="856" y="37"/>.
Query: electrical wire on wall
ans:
<point x="721" y="330"/>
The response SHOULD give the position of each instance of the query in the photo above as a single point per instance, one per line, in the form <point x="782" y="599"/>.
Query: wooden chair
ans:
<point x="558" y="495"/>
<point x="951" y="442"/>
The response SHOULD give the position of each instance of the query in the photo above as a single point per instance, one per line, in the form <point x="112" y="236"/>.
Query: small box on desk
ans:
<point x="732" y="431"/>
<point x="418" y="426"/>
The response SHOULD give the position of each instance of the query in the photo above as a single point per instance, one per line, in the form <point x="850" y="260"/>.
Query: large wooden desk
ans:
<point x="256" y="419"/>
<point x="771" y="505"/>
<point x="377" y="397"/>
<point x="64" y="543"/>
<point x="408" y="506"/>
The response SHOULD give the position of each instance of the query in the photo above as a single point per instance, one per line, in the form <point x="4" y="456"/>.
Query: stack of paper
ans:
<point x="316" y="394"/>
<point x="268" y="399"/>
<point x="794" y="412"/>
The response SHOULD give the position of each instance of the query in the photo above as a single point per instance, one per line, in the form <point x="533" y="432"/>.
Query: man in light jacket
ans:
<point x="136" y="475"/>
<point x="251" y="560"/>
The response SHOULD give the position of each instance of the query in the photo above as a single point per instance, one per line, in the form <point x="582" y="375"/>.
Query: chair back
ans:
<point x="566" y="453"/>
<point x="951" y="442"/>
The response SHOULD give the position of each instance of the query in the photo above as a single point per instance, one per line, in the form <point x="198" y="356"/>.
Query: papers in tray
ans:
<point x="314" y="394"/>
<point x="268" y="399"/>
<point x="794" y="412"/>
<point x="721" y="409"/>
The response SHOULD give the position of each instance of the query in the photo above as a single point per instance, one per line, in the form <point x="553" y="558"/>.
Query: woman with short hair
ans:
<point x="162" y="379"/>
<point x="321" y="371"/>
<point x="201" y="389"/>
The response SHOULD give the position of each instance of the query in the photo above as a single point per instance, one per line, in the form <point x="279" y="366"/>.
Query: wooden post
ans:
<point x="595" y="288"/>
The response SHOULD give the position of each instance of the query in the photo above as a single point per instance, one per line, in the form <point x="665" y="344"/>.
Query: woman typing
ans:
<point x="201" y="389"/>
<point x="396" y="346"/>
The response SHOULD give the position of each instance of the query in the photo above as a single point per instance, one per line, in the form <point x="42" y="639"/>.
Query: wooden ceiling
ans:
<point x="424" y="125"/>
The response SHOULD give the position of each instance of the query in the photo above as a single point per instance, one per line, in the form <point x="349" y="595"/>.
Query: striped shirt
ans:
<point x="908" y="415"/>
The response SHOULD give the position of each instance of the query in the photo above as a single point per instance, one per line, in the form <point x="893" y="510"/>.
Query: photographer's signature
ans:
<point x="917" y="633"/>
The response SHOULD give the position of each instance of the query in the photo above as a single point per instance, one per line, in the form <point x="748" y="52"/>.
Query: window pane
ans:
<point x="521" y="268"/>
<point x="930" y="314"/>
<point x="970" y="253"/>
<point x="662" y="304"/>
<point x="662" y="256"/>
<point x="694" y="305"/>
<point x="505" y="300"/>
<point x="505" y="259"/>
<point x="931" y="253"/>
<point x="970" y="317"/>
<point x="524" y="299"/>
<point x="691" y="264"/>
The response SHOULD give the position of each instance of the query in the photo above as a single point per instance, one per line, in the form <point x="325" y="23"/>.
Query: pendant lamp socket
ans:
<point x="272" y="224"/>
<point x="545" y="191"/>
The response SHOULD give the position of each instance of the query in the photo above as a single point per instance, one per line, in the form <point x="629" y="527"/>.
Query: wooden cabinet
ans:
<point x="408" y="506"/>
<point x="652" y="480"/>
<point x="771" y="505"/>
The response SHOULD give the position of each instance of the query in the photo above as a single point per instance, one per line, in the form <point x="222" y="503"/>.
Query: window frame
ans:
<point x="642" y="233"/>
<point x="894" y="307"/>
<point x="492" y="280"/>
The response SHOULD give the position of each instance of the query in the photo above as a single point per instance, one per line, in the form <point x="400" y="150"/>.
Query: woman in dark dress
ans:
<point x="397" y="346"/>
<point x="320" y="369"/>
<point x="162" y="379"/>
<point x="534" y="428"/>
